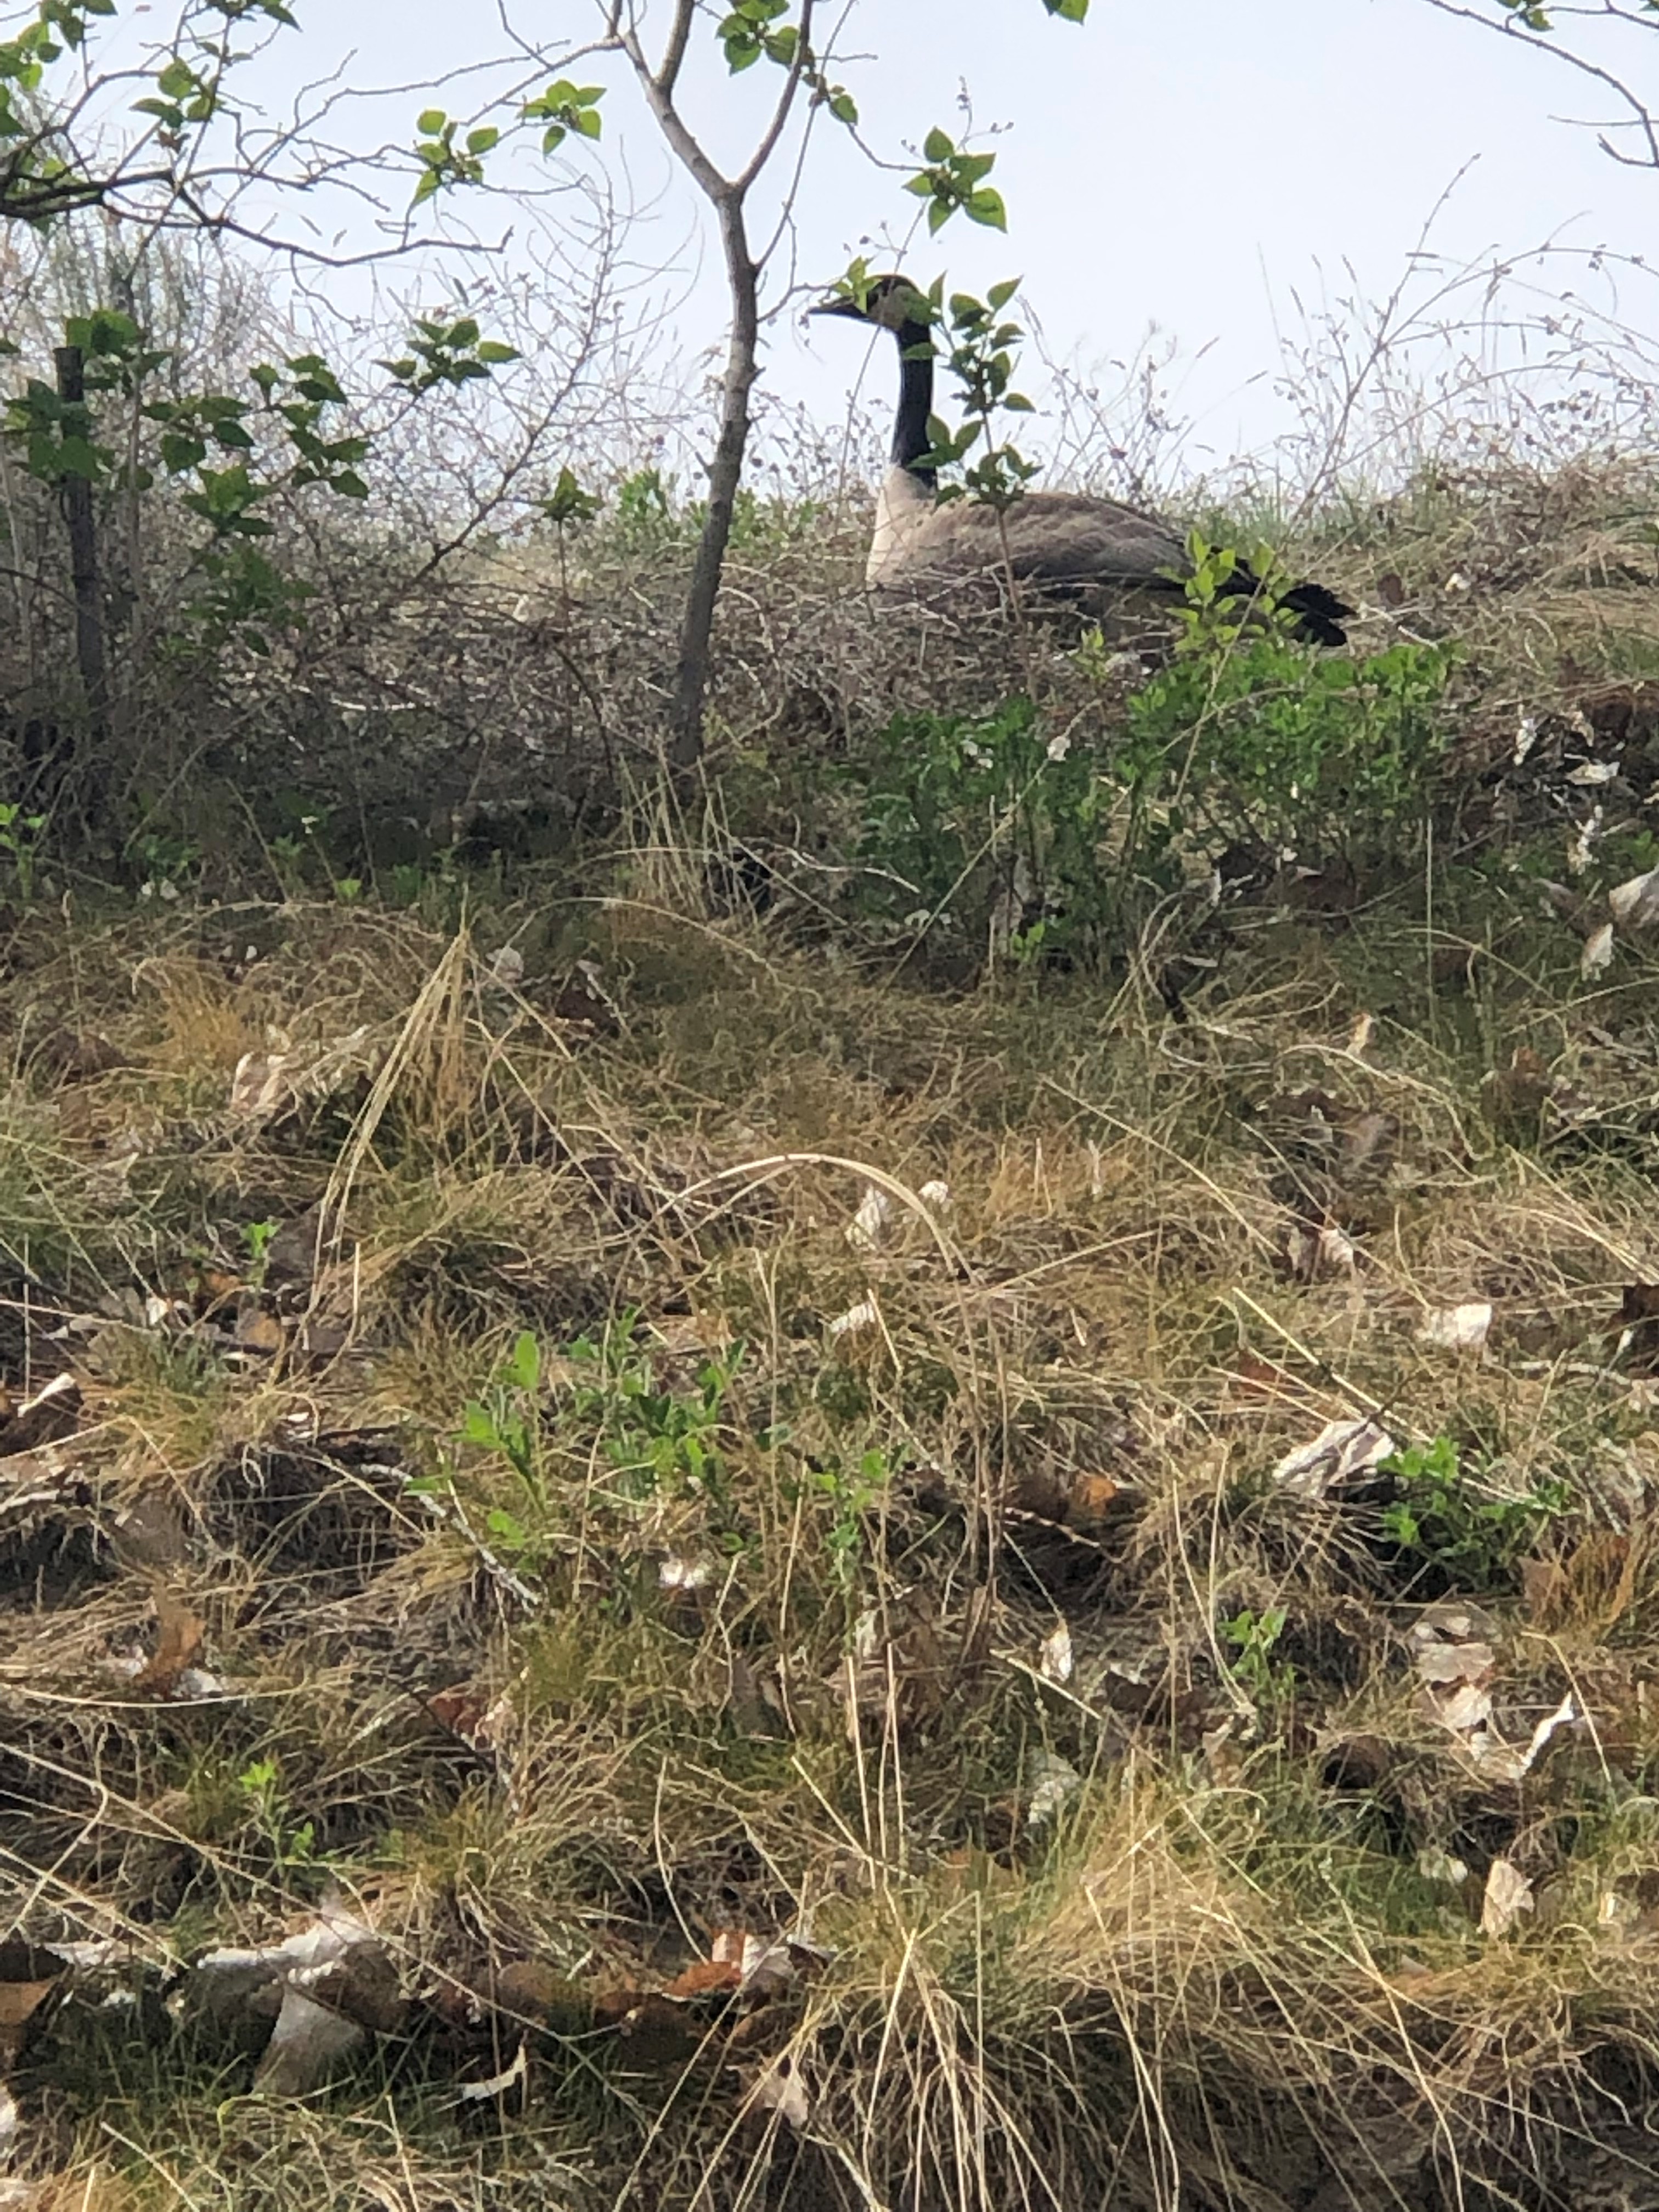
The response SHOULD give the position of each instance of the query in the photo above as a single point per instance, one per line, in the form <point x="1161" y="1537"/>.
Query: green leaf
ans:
<point x="985" y="206"/>
<point x="1000" y="295"/>
<point x="481" y="140"/>
<point x="522" y="1370"/>
<point x="176" y="80"/>
<point x="936" y="147"/>
<point x="843" y="107"/>
<point x="493" y="351"/>
<point x="78" y="457"/>
<point x="430" y="121"/>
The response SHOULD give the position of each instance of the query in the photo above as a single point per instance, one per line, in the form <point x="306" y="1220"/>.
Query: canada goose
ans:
<point x="1065" y="540"/>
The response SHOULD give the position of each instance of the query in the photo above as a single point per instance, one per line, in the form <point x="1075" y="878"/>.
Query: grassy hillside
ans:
<point x="928" y="1484"/>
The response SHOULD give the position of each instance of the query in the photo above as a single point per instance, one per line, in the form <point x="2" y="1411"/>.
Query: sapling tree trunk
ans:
<point x="84" y="561"/>
<point x="728" y="196"/>
<point x="724" y="474"/>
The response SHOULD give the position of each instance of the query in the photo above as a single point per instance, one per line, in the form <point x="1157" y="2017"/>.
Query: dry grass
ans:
<point x="1223" y="1971"/>
<point x="741" y="1615"/>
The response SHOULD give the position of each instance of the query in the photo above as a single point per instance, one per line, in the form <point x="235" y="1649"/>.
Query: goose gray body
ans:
<point x="1066" y="543"/>
<point x="1058" y="537"/>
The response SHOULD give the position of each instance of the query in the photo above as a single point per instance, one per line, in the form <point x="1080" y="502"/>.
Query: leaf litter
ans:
<point x="316" y="1999"/>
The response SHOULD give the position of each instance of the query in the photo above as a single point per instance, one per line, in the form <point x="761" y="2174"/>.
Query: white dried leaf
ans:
<point x="1597" y="956"/>
<point x="765" y="1968"/>
<point x="1314" y="1253"/>
<point x="1337" y="1252"/>
<point x="305" y="2045"/>
<point x="505" y="968"/>
<point x="936" y="1195"/>
<point x="480" y="2093"/>
<point x="1052" y="1782"/>
<point x="1054" y="1660"/>
<point x="1582" y="852"/>
<point x="259" y="1085"/>
<point x="1467" y="1710"/>
<point x="93" y="1952"/>
<point x="197" y="1682"/>
<point x="1438" y="1866"/>
<point x="1457" y="582"/>
<point x="8" y="2124"/>
<point x="869" y="1225"/>
<point x="864" y="1315"/>
<point x="1635" y="904"/>
<point x="1341" y="1451"/>
<point x="1508" y="1895"/>
<point x="1458" y="1328"/>
<point x="1588" y="774"/>
<point x="1564" y="1716"/>
<point x="1453" y="1620"/>
<point x="675" y="1573"/>
<point x="1507" y="1762"/>
<point x="1443" y="1664"/>
<point x="1360" y="1036"/>
<point x="781" y="2090"/>
<point x="1526" y="737"/>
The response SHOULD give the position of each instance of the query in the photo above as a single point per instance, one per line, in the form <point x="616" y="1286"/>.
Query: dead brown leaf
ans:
<point x="258" y="1331"/>
<point x="1513" y="1098"/>
<point x="653" y="2030"/>
<point x="704" y="1978"/>
<point x="80" y="1055"/>
<point x="1257" y="1381"/>
<point x="1092" y="1496"/>
<point x="179" y="1639"/>
<point x="19" y="2003"/>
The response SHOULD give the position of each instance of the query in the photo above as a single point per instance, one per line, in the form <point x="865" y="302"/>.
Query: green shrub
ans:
<point x="1442" y="1520"/>
<point x="1249" y="734"/>
<point x="1246" y="736"/>
<point x="964" y="814"/>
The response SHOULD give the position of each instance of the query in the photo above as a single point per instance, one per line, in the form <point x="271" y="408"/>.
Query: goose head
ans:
<point x="888" y="303"/>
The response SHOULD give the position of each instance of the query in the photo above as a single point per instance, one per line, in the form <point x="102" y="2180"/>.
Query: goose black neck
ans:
<point x="910" y="438"/>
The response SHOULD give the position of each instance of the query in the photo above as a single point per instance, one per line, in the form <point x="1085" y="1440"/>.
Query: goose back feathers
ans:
<point x="1066" y="543"/>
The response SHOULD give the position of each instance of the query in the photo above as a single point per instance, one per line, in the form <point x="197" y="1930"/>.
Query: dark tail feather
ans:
<point x="1319" y="614"/>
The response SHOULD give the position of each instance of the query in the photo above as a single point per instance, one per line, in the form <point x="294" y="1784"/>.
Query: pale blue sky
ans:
<point x="1193" y="165"/>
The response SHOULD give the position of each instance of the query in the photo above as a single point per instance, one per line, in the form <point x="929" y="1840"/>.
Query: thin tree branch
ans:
<point x="708" y="179"/>
<point x="1512" y="26"/>
<point x="674" y="53"/>
<point x="774" y="130"/>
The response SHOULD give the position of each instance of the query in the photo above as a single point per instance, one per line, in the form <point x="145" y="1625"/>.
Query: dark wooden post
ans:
<point x="83" y="563"/>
